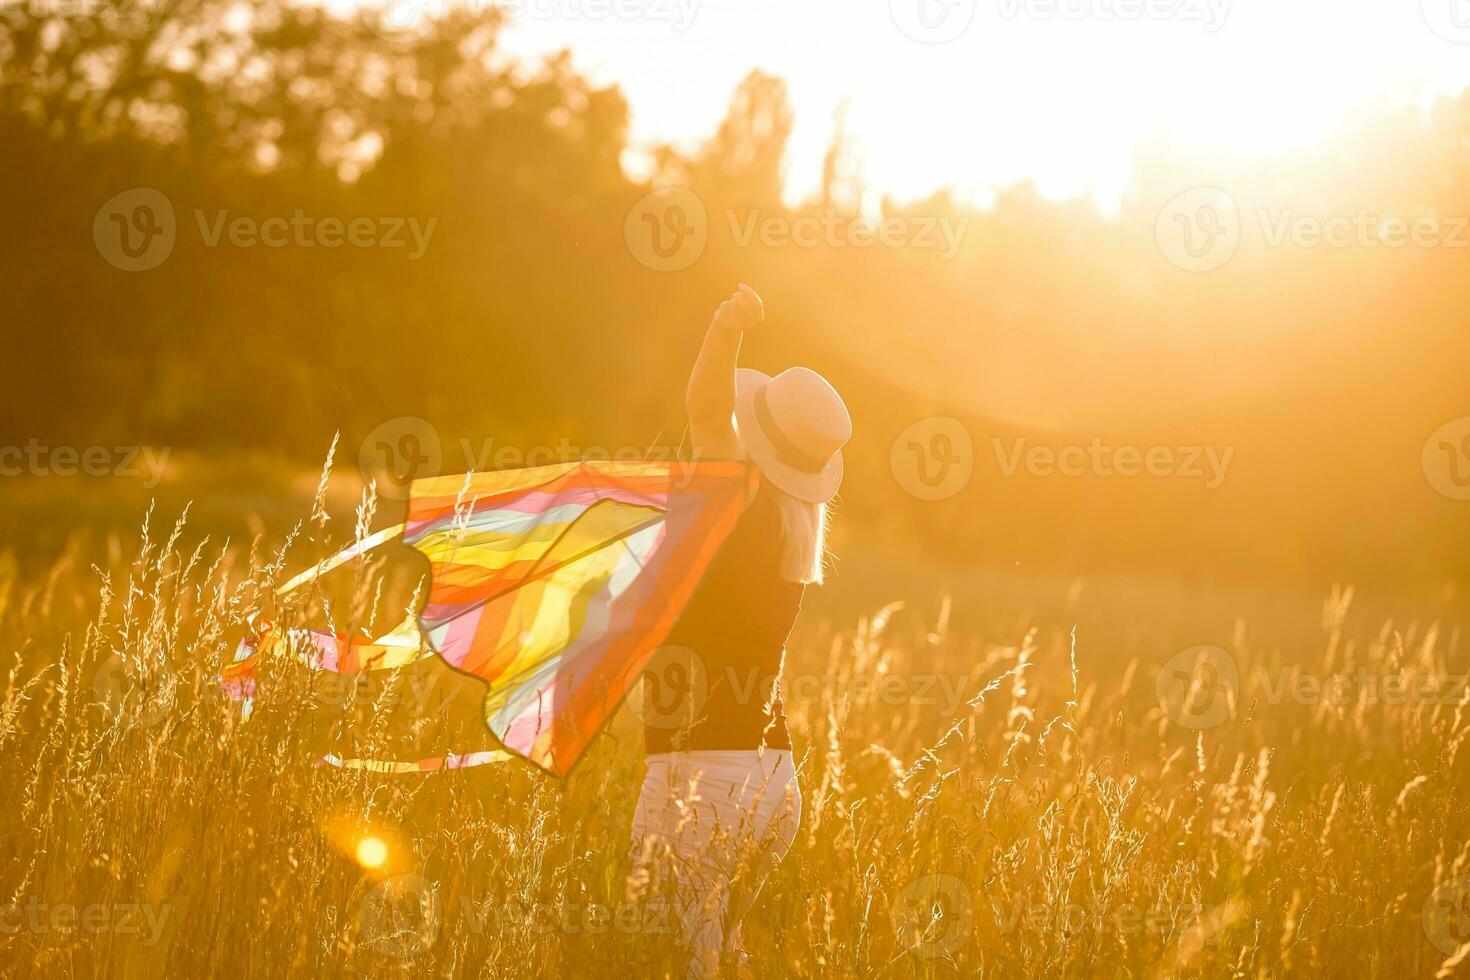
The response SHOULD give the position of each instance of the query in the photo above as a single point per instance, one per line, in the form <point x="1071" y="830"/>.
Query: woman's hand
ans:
<point x="710" y="397"/>
<point x="741" y="312"/>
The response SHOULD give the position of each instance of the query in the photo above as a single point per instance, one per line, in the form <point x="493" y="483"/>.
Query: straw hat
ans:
<point x="793" y="426"/>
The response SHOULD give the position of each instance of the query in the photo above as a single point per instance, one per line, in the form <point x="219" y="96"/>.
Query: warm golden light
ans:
<point x="372" y="853"/>
<point x="1060" y="93"/>
<point x="425" y="409"/>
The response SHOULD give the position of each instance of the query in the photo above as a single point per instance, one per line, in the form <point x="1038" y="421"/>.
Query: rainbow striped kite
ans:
<point x="554" y="585"/>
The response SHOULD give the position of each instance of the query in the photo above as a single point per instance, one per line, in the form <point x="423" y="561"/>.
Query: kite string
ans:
<point x="678" y="404"/>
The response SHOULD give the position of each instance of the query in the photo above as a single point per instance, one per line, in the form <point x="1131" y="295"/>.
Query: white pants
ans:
<point x="708" y="828"/>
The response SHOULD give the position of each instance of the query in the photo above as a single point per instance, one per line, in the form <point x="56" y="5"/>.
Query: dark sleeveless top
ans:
<point x="721" y="661"/>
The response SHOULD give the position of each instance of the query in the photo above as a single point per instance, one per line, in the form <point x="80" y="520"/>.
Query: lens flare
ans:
<point x="372" y="852"/>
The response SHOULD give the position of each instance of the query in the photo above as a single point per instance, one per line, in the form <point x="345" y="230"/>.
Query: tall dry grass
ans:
<point x="988" y="790"/>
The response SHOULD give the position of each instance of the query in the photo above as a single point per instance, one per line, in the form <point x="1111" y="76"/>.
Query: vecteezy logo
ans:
<point x="934" y="458"/>
<point x="668" y="229"/>
<point x="1446" y="915"/>
<point x="124" y="700"/>
<point x="398" y="452"/>
<point x="403" y="21"/>
<point x="933" y="916"/>
<point x="1199" y="230"/>
<point x="399" y="916"/>
<point x="135" y="230"/>
<point x="1450" y="19"/>
<point x="932" y="21"/>
<point x="1446" y="459"/>
<point x="131" y="15"/>
<point x="1197" y="687"/>
<point x="675" y="689"/>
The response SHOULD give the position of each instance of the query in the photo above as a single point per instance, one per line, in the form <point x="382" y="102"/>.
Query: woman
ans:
<point x="720" y="804"/>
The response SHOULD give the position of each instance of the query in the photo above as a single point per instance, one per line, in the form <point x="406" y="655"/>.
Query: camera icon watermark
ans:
<point x="1450" y="19"/>
<point x="1446" y="915"/>
<point x="1201" y="686"/>
<point x="401" y="21"/>
<point x="675" y="689"/>
<point x="135" y="230"/>
<point x="1446" y="459"/>
<point x="399" y="451"/>
<point x="934" y="916"/>
<point x="1198" y="686"/>
<point x="124" y="699"/>
<point x="1199" y="229"/>
<point x="667" y="230"/>
<point x="932" y="21"/>
<point x="934" y="458"/>
<point x="400" y="916"/>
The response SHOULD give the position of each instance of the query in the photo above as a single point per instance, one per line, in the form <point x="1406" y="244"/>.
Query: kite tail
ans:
<point x="238" y="678"/>
<point x="449" y="761"/>
<point x="342" y="654"/>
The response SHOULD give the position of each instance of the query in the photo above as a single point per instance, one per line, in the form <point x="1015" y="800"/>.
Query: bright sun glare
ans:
<point x="372" y="852"/>
<point x="1056" y="91"/>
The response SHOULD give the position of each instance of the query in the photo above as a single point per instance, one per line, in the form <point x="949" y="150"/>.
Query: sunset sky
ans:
<point x="1025" y="90"/>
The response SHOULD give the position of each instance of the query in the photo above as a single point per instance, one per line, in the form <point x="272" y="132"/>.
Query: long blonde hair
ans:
<point x="803" y="539"/>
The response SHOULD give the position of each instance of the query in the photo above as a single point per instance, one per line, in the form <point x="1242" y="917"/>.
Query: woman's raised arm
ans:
<point x="710" y="397"/>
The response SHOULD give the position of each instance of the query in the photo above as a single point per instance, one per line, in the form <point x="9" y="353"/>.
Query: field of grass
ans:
<point x="1002" y="775"/>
